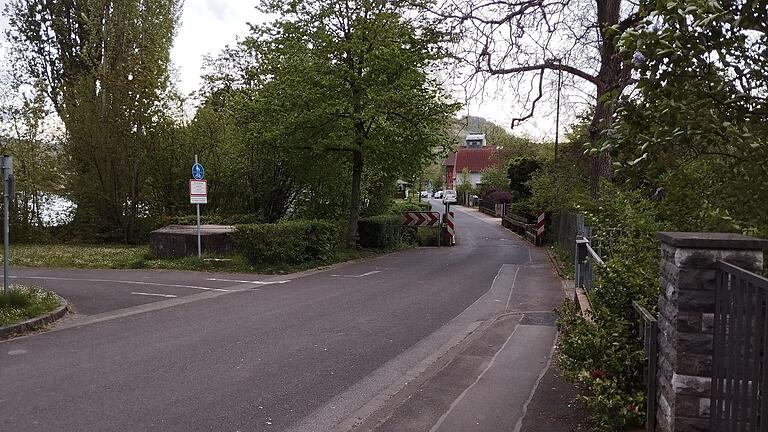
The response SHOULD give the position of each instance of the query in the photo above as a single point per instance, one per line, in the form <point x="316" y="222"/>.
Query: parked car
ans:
<point x="449" y="197"/>
<point x="438" y="194"/>
<point x="424" y="194"/>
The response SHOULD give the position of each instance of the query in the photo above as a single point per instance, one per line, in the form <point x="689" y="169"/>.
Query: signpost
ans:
<point x="6" y="164"/>
<point x="198" y="194"/>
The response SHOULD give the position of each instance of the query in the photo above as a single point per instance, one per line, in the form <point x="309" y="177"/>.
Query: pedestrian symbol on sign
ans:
<point x="197" y="171"/>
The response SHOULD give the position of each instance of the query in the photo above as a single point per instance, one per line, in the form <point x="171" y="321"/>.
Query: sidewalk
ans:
<point x="503" y="380"/>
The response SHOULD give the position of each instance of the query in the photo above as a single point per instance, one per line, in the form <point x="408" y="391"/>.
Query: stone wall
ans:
<point x="686" y="316"/>
<point x="181" y="240"/>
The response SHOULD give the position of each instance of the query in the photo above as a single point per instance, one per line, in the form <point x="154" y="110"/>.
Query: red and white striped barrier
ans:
<point x="451" y="227"/>
<point x="539" y="227"/>
<point x="420" y="219"/>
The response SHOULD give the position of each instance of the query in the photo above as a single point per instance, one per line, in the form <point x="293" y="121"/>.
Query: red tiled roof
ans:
<point x="450" y="160"/>
<point x="475" y="159"/>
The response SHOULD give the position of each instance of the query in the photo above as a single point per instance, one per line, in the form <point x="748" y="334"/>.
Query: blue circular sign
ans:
<point x="197" y="171"/>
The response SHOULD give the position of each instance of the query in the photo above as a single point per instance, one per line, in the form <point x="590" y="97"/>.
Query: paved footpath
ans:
<point x="369" y="344"/>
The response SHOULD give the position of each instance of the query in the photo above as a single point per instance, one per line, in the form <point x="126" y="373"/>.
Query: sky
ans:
<point x="207" y="26"/>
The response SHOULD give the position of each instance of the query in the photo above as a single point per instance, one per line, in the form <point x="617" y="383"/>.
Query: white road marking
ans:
<point x="121" y="281"/>
<point x="358" y="276"/>
<point x="249" y="281"/>
<point x="514" y="279"/>
<point x="17" y="352"/>
<point x="154" y="294"/>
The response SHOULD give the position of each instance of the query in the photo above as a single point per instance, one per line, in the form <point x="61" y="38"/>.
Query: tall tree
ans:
<point x="104" y="68"/>
<point x="28" y="133"/>
<point x="523" y="40"/>
<point x="351" y="77"/>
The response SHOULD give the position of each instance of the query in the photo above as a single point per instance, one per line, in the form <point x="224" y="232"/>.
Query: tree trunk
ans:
<point x="354" y="209"/>
<point x="601" y="164"/>
<point x="609" y="87"/>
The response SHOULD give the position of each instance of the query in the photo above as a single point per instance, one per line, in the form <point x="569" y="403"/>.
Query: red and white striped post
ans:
<point x="539" y="227"/>
<point x="451" y="227"/>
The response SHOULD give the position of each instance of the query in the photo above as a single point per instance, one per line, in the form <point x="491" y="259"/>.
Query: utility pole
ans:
<point x="557" y="112"/>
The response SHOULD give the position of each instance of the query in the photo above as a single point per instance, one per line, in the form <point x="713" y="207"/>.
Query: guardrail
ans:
<point x="585" y="257"/>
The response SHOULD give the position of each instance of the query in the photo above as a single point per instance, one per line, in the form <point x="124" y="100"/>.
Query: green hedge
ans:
<point x="381" y="231"/>
<point x="214" y="219"/>
<point x="400" y="207"/>
<point x="288" y="242"/>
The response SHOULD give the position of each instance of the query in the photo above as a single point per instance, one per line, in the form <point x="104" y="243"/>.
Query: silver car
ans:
<point x="449" y="197"/>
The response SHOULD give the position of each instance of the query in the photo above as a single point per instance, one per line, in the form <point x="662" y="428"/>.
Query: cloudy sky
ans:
<point x="207" y="26"/>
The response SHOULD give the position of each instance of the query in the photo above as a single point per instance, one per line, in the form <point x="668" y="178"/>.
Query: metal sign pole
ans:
<point x="7" y="167"/>
<point x="199" y="247"/>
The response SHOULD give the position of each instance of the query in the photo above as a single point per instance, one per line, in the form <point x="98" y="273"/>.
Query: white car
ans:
<point x="424" y="194"/>
<point x="438" y="194"/>
<point x="449" y="197"/>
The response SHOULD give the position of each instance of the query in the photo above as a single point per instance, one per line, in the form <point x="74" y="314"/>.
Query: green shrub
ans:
<point x="606" y="357"/>
<point x="606" y="361"/>
<point x="400" y="207"/>
<point x="295" y="241"/>
<point x="214" y="219"/>
<point x="523" y="208"/>
<point x="380" y="231"/>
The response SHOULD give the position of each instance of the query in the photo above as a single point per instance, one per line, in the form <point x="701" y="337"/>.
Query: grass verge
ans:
<point x="22" y="303"/>
<point x="140" y="257"/>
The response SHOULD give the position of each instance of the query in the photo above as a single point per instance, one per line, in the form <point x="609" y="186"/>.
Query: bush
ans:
<point x="524" y="209"/>
<point x="214" y="219"/>
<point x="606" y="361"/>
<point x="499" y="197"/>
<point x="607" y="357"/>
<point x="292" y="242"/>
<point x="399" y="207"/>
<point x="381" y="231"/>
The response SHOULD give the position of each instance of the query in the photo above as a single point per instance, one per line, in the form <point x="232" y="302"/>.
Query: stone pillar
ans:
<point x="686" y="315"/>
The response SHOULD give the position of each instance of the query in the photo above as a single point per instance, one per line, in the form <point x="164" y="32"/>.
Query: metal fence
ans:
<point x="585" y="261"/>
<point x="563" y="229"/>
<point x="647" y="332"/>
<point x="739" y="365"/>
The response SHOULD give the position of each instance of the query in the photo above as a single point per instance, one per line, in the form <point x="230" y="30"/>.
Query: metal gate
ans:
<point x="739" y="370"/>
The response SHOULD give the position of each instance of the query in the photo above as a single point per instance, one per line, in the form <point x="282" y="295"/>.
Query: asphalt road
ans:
<point x="92" y="292"/>
<point x="233" y="355"/>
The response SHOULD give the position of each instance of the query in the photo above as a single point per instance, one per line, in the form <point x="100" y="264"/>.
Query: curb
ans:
<point x="34" y="323"/>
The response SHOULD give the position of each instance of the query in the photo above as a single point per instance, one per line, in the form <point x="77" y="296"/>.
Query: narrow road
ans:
<point x="302" y="354"/>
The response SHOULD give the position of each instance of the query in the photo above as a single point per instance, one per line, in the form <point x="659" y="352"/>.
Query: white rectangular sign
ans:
<point x="198" y="192"/>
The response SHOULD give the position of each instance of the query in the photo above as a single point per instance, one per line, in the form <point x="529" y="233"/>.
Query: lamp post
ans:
<point x="557" y="111"/>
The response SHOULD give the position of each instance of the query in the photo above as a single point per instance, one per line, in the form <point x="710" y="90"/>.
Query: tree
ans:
<point x="521" y="40"/>
<point x="696" y="125"/>
<point x="464" y="183"/>
<point x="351" y="78"/>
<point x="103" y="66"/>
<point x="520" y="171"/>
<point x="494" y="177"/>
<point x="27" y="133"/>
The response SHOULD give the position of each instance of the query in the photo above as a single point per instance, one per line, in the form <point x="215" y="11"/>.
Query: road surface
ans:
<point x="290" y="353"/>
